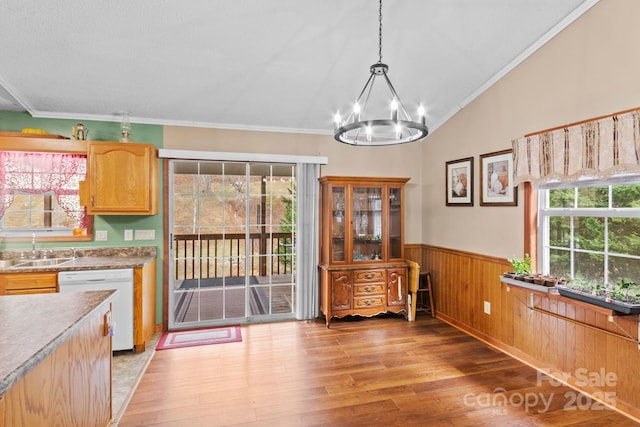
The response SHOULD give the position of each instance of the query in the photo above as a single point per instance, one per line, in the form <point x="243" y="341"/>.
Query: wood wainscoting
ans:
<point x="587" y="347"/>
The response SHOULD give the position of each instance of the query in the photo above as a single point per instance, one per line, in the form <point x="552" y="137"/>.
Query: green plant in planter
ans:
<point x="627" y="291"/>
<point x="521" y="265"/>
<point x="583" y="285"/>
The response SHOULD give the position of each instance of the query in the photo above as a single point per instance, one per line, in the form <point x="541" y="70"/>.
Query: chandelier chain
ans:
<point x="380" y="33"/>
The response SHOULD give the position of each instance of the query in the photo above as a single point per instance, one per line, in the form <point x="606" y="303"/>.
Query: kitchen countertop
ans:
<point x="86" y="263"/>
<point x="89" y="259"/>
<point x="33" y="326"/>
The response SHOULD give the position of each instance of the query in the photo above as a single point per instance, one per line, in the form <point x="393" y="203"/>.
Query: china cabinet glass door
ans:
<point x="338" y="225"/>
<point x="367" y="223"/>
<point x="395" y="223"/>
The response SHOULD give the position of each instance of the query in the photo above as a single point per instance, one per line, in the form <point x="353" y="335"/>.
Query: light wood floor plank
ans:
<point x="374" y="372"/>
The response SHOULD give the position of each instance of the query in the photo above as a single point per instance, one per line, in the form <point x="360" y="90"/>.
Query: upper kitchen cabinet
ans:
<point x="122" y="179"/>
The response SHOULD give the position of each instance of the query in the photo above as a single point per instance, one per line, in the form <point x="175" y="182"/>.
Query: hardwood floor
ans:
<point x="364" y="372"/>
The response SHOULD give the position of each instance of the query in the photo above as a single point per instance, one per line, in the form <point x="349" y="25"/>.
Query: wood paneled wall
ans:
<point x="574" y="341"/>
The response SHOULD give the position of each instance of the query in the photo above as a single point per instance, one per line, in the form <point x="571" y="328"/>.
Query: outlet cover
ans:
<point x="145" y="235"/>
<point x="128" y="235"/>
<point x="487" y="307"/>
<point x="102" y="236"/>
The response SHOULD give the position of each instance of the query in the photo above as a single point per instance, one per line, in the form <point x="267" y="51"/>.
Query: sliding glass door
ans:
<point x="233" y="242"/>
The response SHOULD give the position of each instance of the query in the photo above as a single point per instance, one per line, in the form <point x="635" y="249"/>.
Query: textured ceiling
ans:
<point x="284" y="65"/>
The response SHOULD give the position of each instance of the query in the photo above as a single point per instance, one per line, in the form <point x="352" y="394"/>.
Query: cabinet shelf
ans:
<point x="365" y="239"/>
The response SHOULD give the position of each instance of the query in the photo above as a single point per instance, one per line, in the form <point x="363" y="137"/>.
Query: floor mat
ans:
<point x="196" y="337"/>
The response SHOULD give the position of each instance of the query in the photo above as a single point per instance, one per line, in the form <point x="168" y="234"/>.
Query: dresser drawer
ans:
<point x="364" y="276"/>
<point x="368" y="289"/>
<point x="370" y="301"/>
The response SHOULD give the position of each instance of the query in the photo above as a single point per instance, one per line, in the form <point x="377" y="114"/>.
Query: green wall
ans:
<point x="113" y="224"/>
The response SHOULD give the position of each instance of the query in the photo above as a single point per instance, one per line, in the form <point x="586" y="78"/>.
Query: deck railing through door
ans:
<point x="216" y="255"/>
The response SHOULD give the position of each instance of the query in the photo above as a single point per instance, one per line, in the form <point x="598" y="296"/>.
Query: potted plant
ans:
<point x="623" y="297"/>
<point x="521" y="266"/>
<point x="522" y="276"/>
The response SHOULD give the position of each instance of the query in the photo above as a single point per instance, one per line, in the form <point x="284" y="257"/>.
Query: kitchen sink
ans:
<point x="34" y="263"/>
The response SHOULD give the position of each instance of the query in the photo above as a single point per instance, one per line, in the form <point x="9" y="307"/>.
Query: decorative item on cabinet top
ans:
<point x="80" y="132"/>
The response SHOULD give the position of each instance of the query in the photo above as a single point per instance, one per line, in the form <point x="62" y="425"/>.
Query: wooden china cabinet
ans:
<point x="362" y="268"/>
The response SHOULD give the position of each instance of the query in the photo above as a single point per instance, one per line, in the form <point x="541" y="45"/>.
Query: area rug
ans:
<point x="192" y="338"/>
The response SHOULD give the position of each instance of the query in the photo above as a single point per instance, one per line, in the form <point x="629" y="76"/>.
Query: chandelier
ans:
<point x="378" y="116"/>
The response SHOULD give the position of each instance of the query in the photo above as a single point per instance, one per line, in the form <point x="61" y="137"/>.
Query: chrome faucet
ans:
<point x="34" y="253"/>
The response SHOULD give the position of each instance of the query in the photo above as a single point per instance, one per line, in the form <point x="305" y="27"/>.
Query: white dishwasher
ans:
<point x="121" y="305"/>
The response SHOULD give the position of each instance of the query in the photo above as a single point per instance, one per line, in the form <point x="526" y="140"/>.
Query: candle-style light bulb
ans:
<point x="369" y="133"/>
<point x="422" y="114"/>
<point x="356" y="112"/>
<point x="337" y="120"/>
<point x="394" y="110"/>
<point x="398" y="131"/>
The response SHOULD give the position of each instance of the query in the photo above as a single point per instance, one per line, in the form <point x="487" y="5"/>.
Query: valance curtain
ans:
<point x="597" y="149"/>
<point x="38" y="173"/>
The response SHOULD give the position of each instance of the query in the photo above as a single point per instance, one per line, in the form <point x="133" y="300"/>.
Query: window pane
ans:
<point x="27" y="212"/>
<point x="560" y="262"/>
<point x="593" y="249"/>
<point x="563" y="198"/>
<point x="589" y="267"/>
<point x="624" y="236"/>
<point x="589" y="233"/>
<point x="623" y="268"/>
<point x="626" y="196"/>
<point x="593" y="197"/>
<point x="560" y="231"/>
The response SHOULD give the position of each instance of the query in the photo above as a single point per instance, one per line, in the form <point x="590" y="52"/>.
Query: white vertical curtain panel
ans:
<point x="308" y="194"/>
<point x="598" y="149"/>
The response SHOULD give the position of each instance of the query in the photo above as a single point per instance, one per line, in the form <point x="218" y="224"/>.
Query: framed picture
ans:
<point x="459" y="182"/>
<point x="496" y="179"/>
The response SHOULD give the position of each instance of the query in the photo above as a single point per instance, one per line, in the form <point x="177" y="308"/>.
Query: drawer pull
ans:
<point x="369" y="276"/>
